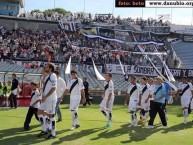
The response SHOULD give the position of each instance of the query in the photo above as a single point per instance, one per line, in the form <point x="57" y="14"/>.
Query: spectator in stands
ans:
<point x="86" y="90"/>
<point x="1" y="90"/>
<point x="14" y="92"/>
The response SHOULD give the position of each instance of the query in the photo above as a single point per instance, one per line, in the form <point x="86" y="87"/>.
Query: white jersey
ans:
<point x="135" y="95"/>
<point x="35" y="96"/>
<point x="51" y="83"/>
<point x="187" y="93"/>
<point x="61" y="86"/>
<point x="76" y="91"/>
<point x="110" y="89"/>
<point x="145" y="94"/>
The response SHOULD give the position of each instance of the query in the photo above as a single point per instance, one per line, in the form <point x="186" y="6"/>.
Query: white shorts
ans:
<point x="132" y="106"/>
<point x="185" y="102"/>
<point x="145" y="106"/>
<point x="103" y="104"/>
<point x="74" y="104"/>
<point x="48" y="106"/>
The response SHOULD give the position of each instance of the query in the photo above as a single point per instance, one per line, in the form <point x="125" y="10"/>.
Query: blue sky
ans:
<point x="179" y="15"/>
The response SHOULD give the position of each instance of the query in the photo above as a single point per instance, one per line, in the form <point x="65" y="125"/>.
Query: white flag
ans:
<point x="68" y="67"/>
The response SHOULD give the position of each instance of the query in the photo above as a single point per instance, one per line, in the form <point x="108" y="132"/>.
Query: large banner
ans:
<point x="147" y="70"/>
<point x="124" y="35"/>
<point x="157" y="29"/>
<point x="182" y="29"/>
<point x="178" y="73"/>
<point x="187" y="38"/>
<point x="132" y="69"/>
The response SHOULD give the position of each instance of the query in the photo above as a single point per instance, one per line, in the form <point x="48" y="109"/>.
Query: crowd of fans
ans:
<point x="59" y="46"/>
<point x="99" y="18"/>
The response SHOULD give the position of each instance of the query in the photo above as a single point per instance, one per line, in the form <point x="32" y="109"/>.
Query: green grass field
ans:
<point x="92" y="130"/>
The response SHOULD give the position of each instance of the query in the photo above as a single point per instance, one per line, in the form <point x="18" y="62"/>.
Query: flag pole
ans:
<point x="84" y="6"/>
<point x="192" y="17"/>
<point x="155" y="13"/>
<point x="54" y="4"/>
<point x="113" y="8"/>
<point x="171" y="14"/>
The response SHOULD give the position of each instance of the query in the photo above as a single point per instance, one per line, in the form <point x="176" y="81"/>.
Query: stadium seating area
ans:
<point x="121" y="84"/>
<point x="184" y="51"/>
<point x="6" y="67"/>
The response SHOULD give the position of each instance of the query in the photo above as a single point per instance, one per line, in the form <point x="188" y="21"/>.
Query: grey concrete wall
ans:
<point x="16" y="23"/>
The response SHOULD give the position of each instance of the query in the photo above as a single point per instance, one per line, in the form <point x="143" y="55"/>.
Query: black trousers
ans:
<point x="13" y="100"/>
<point x="87" y="98"/>
<point x="155" y="108"/>
<point x="31" y="111"/>
<point x="164" y="105"/>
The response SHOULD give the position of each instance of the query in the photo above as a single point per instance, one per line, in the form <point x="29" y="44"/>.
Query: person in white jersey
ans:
<point x="48" y="104"/>
<point x="185" y="92"/>
<point x="34" y="105"/>
<point x="133" y="93"/>
<point x="108" y="99"/>
<point x="61" y="86"/>
<point x="76" y="89"/>
<point x="144" y="98"/>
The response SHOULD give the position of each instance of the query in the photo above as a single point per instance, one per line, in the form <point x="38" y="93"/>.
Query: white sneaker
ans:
<point x="165" y="127"/>
<point x="131" y="125"/>
<point x="149" y="127"/>
<point x="185" y="121"/>
<point x="136" y="123"/>
<point x="72" y="127"/>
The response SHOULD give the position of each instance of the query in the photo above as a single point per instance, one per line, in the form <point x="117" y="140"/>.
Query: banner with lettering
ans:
<point x="132" y="69"/>
<point x="147" y="70"/>
<point x="187" y="38"/>
<point x="178" y="73"/>
<point x="157" y="29"/>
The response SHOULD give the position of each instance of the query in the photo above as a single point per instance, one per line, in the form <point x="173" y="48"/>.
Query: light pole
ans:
<point x="171" y="14"/>
<point x="192" y="17"/>
<point x="84" y="6"/>
<point x="113" y="8"/>
<point x="155" y="13"/>
<point x="54" y="4"/>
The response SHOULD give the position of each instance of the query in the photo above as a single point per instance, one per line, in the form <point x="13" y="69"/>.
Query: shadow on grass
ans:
<point x="178" y="127"/>
<point x="137" y="134"/>
<point x="77" y="135"/>
<point x="16" y="136"/>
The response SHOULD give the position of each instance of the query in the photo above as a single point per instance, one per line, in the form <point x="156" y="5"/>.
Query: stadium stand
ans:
<point x="184" y="51"/>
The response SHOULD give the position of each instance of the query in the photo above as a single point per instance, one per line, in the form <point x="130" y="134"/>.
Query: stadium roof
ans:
<point x="21" y="2"/>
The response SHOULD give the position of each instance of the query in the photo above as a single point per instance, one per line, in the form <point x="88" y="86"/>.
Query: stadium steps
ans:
<point x="184" y="51"/>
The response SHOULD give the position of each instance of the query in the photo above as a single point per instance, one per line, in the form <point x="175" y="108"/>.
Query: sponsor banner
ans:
<point x="182" y="29"/>
<point x="131" y="69"/>
<point x="178" y="73"/>
<point x="187" y="38"/>
<point x="157" y="29"/>
<point x="147" y="70"/>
